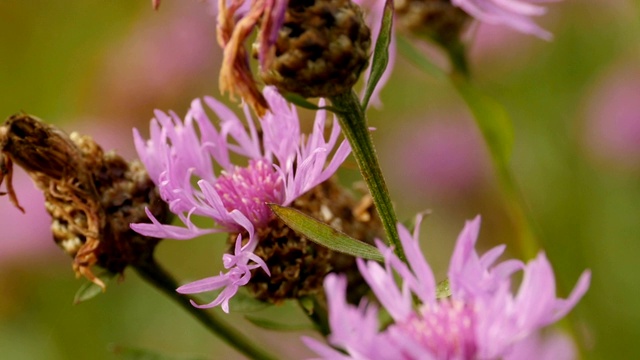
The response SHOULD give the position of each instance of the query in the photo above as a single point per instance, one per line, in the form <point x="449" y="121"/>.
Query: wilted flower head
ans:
<point x="282" y="164"/>
<point x="92" y="196"/>
<point x="482" y="319"/>
<point x="306" y="47"/>
<point x="236" y="20"/>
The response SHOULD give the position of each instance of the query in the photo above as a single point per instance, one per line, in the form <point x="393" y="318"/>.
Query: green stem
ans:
<point x="316" y="311"/>
<point x="457" y="54"/>
<point x="152" y="272"/>
<point x="354" y="127"/>
<point x="527" y="241"/>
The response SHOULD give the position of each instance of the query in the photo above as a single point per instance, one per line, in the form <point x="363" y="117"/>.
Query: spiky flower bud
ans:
<point x="321" y="49"/>
<point x="297" y="265"/>
<point x="439" y="20"/>
<point x="92" y="196"/>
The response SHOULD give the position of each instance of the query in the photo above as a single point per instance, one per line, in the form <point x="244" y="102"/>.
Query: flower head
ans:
<point x="516" y="14"/>
<point x="313" y="48"/>
<point x="481" y="319"/>
<point x="444" y="22"/>
<point x="282" y="164"/>
<point x="236" y="21"/>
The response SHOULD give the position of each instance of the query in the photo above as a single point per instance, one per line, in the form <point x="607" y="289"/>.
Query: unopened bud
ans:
<point x="297" y="265"/>
<point x="437" y="19"/>
<point x="321" y="49"/>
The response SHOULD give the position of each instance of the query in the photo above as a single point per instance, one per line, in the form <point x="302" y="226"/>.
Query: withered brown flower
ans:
<point x="92" y="196"/>
<point x="314" y="48"/>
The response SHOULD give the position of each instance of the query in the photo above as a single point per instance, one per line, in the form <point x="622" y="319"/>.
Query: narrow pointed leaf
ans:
<point x="89" y="290"/>
<point x="278" y="326"/>
<point x="296" y="99"/>
<point x="380" y="52"/>
<point x="242" y="302"/>
<point x="411" y="53"/>
<point x="324" y="234"/>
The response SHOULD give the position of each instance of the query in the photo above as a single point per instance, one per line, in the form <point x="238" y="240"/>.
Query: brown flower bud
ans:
<point x="298" y="265"/>
<point x="437" y="19"/>
<point x="321" y="49"/>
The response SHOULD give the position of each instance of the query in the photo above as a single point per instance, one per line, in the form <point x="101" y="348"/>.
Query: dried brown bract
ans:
<point x="92" y="196"/>
<point x="297" y="265"/>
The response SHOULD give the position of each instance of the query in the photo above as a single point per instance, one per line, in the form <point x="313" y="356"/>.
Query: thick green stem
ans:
<point x="354" y="127"/>
<point x="150" y="271"/>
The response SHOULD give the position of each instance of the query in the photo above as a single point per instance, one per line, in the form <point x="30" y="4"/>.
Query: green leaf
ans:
<point x="278" y="326"/>
<point x="242" y="302"/>
<point x="304" y="103"/>
<point x="380" y="52"/>
<point x="324" y="234"/>
<point x="492" y="119"/>
<point x="307" y="303"/>
<point x="89" y="290"/>
<point x="133" y="353"/>
<point x="411" y="53"/>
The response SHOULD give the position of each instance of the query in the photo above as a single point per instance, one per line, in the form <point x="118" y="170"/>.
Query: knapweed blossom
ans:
<point x="440" y="16"/>
<point x="516" y="14"/>
<point x="282" y="164"/>
<point x="482" y="319"/>
<point x="445" y="21"/>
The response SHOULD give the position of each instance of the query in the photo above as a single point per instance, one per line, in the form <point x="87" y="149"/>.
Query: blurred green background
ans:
<point x="101" y="67"/>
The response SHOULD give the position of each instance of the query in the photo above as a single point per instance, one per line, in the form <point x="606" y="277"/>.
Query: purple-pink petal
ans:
<point x="481" y="319"/>
<point x="513" y="13"/>
<point x="279" y="166"/>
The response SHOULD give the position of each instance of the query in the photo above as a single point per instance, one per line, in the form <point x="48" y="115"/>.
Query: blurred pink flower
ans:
<point x="491" y="44"/>
<point x="552" y="345"/>
<point x="612" y="128"/>
<point x="25" y="236"/>
<point x="444" y="157"/>
<point x="163" y="56"/>
<point x="516" y="14"/>
<point x="481" y="319"/>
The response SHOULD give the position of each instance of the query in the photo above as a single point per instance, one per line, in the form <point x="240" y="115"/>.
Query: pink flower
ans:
<point x="516" y="14"/>
<point x="482" y="319"/>
<point x="282" y="164"/>
<point x="25" y="236"/>
<point x="612" y="117"/>
<point x="513" y="13"/>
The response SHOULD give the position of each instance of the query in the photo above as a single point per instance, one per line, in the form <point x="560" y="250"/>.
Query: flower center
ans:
<point x="447" y="329"/>
<point x="249" y="189"/>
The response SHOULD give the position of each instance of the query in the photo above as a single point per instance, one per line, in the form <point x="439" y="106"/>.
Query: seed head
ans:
<point x="321" y="49"/>
<point x="92" y="196"/>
